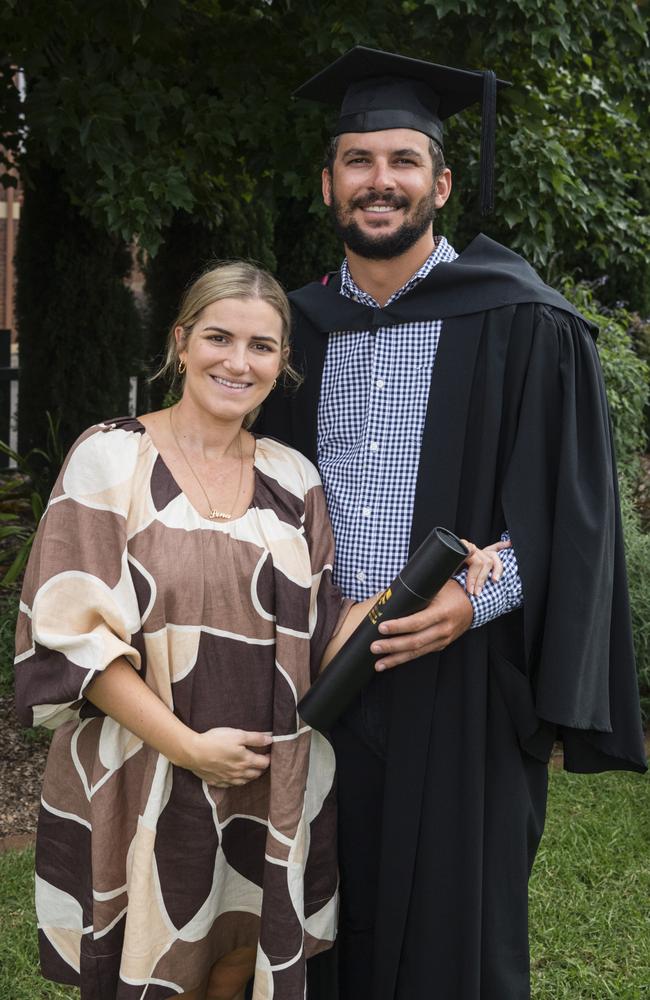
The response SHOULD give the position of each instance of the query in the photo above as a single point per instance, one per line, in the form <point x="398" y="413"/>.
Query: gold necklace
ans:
<point x="214" y="514"/>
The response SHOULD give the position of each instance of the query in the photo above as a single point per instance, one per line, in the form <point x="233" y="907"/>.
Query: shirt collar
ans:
<point x="349" y="288"/>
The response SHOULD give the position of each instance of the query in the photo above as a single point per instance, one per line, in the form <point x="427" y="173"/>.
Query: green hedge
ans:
<point x="78" y="326"/>
<point x="637" y="551"/>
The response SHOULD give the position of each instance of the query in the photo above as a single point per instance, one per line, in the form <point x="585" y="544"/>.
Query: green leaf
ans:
<point x="512" y="216"/>
<point x="37" y="507"/>
<point x="19" y="562"/>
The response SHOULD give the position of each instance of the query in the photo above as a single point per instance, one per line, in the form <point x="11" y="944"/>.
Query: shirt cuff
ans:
<point x="496" y="598"/>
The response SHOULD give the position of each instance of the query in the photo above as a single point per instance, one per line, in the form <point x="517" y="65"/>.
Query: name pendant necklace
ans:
<point x="214" y="515"/>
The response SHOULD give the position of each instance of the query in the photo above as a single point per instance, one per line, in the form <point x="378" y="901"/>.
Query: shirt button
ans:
<point x="380" y="383"/>
<point x="366" y="511"/>
<point x="361" y="576"/>
<point x="374" y="446"/>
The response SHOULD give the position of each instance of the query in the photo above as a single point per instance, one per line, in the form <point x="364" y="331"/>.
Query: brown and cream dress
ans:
<point x="145" y="875"/>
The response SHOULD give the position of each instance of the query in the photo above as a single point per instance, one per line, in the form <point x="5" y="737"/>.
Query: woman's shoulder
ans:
<point x="115" y="438"/>
<point x="104" y="456"/>
<point x="286" y="465"/>
<point x="102" y="435"/>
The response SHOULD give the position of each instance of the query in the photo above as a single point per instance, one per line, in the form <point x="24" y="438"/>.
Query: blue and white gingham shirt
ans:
<point x="371" y="417"/>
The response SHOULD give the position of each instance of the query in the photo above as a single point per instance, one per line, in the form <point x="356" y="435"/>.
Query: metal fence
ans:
<point x="9" y="374"/>
<point x="9" y="383"/>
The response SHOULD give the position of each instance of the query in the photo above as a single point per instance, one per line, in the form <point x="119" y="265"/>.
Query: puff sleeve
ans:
<point x="78" y="609"/>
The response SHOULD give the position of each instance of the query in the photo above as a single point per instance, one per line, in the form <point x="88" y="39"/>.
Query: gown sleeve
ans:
<point x="327" y="606"/>
<point x="561" y="506"/>
<point x="78" y="610"/>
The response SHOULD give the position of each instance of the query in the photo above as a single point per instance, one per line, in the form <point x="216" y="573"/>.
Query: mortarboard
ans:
<point x="380" y="90"/>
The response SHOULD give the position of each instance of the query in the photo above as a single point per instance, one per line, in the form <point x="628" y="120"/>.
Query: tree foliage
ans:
<point x="79" y="330"/>
<point x="158" y="106"/>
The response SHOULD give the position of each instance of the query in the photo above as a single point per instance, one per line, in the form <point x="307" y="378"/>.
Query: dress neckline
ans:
<point x="202" y="517"/>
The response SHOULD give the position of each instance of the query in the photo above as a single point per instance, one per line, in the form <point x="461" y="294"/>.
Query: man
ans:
<point x="460" y="391"/>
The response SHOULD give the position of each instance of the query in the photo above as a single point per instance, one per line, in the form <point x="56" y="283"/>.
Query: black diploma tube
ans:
<point x="428" y="569"/>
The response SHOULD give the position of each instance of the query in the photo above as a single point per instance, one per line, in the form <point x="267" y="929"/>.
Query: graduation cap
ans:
<point x="380" y="90"/>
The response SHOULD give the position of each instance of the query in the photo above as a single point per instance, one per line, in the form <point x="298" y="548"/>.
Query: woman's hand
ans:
<point x="483" y="563"/>
<point x="222" y="757"/>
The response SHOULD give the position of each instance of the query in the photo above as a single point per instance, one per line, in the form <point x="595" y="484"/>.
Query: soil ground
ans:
<point x="22" y="761"/>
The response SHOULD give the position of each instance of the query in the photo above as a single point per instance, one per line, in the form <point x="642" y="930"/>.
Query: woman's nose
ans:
<point x="236" y="359"/>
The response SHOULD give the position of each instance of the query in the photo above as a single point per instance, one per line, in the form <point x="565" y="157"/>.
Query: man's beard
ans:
<point x="383" y="247"/>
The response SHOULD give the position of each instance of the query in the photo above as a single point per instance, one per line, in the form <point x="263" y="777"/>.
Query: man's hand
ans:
<point x="448" y="615"/>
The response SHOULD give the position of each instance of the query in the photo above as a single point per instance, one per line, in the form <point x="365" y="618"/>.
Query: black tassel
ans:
<point x="488" y="135"/>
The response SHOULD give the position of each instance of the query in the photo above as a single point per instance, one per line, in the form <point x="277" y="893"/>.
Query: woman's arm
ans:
<point x="220" y="757"/>
<point x="354" y="617"/>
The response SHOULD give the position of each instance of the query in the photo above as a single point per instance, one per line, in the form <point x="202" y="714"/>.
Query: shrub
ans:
<point x="627" y="375"/>
<point x="24" y="493"/>
<point x="78" y="326"/>
<point x="640" y="333"/>
<point x="637" y="552"/>
<point x="8" y="614"/>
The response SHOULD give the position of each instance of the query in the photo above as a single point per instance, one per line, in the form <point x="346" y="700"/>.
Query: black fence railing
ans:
<point x="8" y="376"/>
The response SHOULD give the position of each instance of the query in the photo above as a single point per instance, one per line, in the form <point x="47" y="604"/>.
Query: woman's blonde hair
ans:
<point x="235" y="279"/>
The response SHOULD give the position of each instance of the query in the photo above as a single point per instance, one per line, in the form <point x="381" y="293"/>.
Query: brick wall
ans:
<point x="10" y="202"/>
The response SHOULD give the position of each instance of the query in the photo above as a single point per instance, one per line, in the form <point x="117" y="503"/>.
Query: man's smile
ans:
<point x="381" y="208"/>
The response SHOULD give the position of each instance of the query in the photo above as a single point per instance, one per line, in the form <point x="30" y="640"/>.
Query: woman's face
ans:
<point x="232" y="356"/>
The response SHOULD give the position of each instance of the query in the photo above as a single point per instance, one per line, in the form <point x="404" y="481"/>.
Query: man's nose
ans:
<point x="382" y="177"/>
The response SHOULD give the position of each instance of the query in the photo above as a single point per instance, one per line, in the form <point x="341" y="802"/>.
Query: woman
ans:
<point x="177" y="604"/>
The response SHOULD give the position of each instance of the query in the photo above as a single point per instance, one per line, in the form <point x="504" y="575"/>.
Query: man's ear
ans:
<point x="326" y="179"/>
<point x="442" y="188"/>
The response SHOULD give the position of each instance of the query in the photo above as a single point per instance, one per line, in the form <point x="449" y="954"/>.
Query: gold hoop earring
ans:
<point x="181" y="367"/>
<point x="275" y="382"/>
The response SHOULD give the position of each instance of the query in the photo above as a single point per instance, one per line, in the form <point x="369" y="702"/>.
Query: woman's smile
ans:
<point x="227" y="383"/>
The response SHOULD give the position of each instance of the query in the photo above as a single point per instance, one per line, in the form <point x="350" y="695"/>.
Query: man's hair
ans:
<point x="437" y="155"/>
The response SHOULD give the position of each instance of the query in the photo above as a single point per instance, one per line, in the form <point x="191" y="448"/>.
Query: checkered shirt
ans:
<point x="371" y="417"/>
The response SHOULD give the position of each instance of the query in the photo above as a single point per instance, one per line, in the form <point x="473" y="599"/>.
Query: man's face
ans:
<point x="382" y="193"/>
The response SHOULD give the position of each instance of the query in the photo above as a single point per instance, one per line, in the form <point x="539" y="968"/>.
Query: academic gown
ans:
<point x="517" y="434"/>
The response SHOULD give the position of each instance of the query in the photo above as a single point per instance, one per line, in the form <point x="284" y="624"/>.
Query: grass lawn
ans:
<point x="19" y="975"/>
<point x="590" y="890"/>
<point x="590" y="899"/>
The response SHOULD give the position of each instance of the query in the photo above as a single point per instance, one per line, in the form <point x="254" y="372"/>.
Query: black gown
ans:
<point x="517" y="433"/>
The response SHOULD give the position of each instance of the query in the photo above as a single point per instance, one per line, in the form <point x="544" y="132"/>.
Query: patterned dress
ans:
<point x="145" y="875"/>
